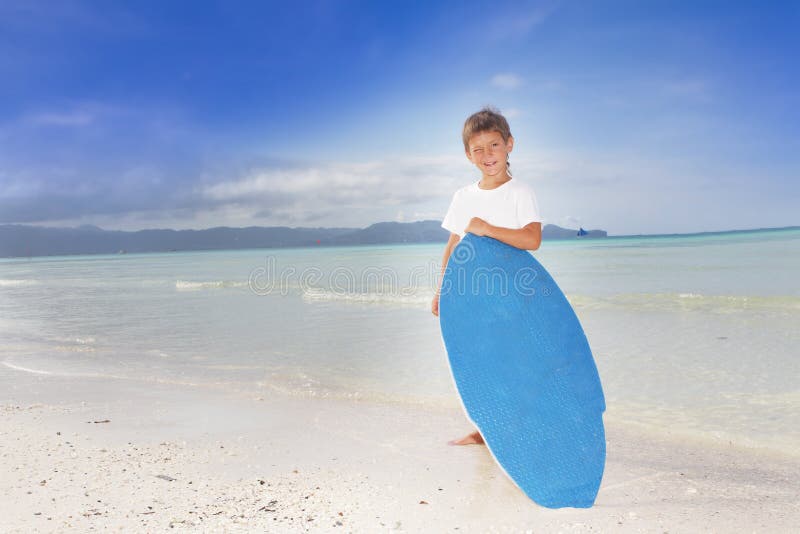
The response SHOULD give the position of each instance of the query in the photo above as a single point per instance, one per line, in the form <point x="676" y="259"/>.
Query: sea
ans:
<point x="695" y="335"/>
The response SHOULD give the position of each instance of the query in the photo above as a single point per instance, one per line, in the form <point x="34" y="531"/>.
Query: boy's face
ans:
<point x="489" y="152"/>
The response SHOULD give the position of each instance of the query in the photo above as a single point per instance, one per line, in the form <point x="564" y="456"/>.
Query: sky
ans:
<point x="629" y="116"/>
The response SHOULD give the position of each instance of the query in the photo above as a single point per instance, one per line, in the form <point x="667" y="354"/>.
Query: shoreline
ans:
<point x="180" y="457"/>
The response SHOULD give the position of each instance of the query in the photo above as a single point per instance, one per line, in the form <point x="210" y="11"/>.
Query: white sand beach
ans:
<point x="93" y="454"/>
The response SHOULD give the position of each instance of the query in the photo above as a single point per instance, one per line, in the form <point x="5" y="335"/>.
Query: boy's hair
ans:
<point x="488" y="119"/>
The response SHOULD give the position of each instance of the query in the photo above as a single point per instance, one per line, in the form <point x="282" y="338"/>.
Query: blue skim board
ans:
<point x="524" y="371"/>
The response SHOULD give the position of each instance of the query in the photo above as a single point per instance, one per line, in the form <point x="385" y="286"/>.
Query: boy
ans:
<point x="495" y="206"/>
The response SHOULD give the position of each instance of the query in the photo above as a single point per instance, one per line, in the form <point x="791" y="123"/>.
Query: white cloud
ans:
<point x="37" y="18"/>
<point x="622" y="192"/>
<point x="75" y="114"/>
<point x="77" y="118"/>
<point x="519" y="22"/>
<point x="335" y="193"/>
<point x="506" y="81"/>
<point x="384" y="181"/>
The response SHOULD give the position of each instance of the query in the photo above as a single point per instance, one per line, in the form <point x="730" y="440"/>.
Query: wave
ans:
<point x="87" y="340"/>
<point x="687" y="302"/>
<point x="740" y="422"/>
<point x="394" y="298"/>
<point x="628" y="301"/>
<point x="105" y="375"/>
<point x="184" y="285"/>
<point x="304" y="387"/>
<point x="73" y="343"/>
<point x="26" y="369"/>
<point x="13" y="282"/>
<point x="56" y="373"/>
<point x="74" y="348"/>
<point x="300" y="385"/>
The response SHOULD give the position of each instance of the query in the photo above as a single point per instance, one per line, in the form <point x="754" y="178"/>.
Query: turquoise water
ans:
<point x="696" y="335"/>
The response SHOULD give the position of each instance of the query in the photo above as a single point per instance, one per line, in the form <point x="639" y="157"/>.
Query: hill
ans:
<point x="25" y="240"/>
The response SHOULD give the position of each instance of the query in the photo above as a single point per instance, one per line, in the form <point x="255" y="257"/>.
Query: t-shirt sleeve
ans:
<point x="527" y="208"/>
<point x="449" y="223"/>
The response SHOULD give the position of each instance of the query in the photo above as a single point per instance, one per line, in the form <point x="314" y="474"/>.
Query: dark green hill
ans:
<point x="23" y="240"/>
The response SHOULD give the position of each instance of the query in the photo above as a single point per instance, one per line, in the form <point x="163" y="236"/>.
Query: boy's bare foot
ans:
<point x="470" y="439"/>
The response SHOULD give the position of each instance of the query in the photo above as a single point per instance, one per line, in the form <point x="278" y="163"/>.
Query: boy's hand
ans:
<point x="478" y="226"/>
<point x="435" y="305"/>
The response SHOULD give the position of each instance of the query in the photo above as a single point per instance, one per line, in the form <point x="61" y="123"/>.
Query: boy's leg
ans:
<point x="474" y="438"/>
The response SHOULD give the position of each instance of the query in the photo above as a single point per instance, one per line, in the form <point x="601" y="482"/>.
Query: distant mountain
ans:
<point x="395" y="232"/>
<point x="21" y="240"/>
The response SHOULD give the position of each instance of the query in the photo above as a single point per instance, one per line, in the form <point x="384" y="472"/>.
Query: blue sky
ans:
<point x="634" y="117"/>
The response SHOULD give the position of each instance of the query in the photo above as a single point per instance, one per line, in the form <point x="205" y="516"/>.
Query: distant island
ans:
<point x="25" y="240"/>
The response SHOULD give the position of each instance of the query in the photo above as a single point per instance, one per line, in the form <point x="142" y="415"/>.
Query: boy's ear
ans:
<point x="510" y="143"/>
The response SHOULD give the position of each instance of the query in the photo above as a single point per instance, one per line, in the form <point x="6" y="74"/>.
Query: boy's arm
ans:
<point x="529" y="237"/>
<point x="448" y="249"/>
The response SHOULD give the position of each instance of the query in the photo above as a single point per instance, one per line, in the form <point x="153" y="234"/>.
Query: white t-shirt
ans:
<point x="512" y="205"/>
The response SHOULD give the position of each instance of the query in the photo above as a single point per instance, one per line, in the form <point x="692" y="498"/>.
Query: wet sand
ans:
<point x="79" y="454"/>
